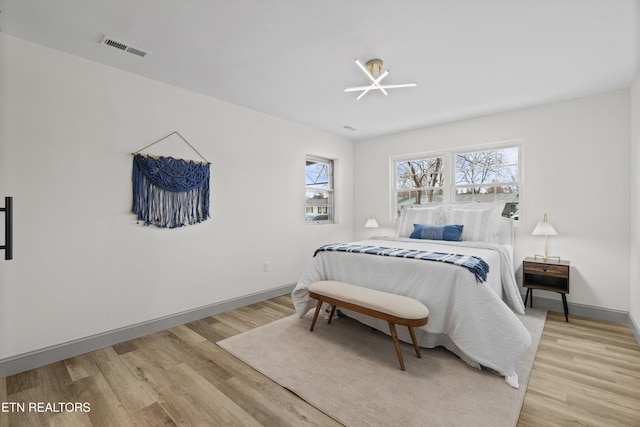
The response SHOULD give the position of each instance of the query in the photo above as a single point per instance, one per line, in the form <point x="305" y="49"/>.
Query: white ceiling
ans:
<point x="293" y="58"/>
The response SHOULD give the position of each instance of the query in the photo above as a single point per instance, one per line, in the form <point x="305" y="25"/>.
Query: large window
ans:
<point x="487" y="174"/>
<point x="319" y="190"/>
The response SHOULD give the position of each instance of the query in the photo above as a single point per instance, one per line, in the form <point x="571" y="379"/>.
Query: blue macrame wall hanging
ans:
<point x="168" y="192"/>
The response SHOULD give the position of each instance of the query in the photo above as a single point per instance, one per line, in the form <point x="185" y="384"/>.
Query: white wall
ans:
<point x="634" y="197"/>
<point x="81" y="264"/>
<point x="575" y="169"/>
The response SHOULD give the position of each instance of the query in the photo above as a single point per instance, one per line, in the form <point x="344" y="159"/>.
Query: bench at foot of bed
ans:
<point x="395" y="309"/>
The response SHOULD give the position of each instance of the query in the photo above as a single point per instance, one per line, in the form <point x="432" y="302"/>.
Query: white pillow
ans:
<point x="476" y="223"/>
<point x="410" y="216"/>
<point x="482" y="227"/>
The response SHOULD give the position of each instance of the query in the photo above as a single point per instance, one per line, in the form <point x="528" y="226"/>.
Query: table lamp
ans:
<point x="372" y="223"/>
<point x="544" y="228"/>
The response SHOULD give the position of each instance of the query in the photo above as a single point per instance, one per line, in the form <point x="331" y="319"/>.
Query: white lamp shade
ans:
<point x="544" y="228"/>
<point x="371" y="223"/>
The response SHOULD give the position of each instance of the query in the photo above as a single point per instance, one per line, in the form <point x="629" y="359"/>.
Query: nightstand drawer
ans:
<point x="546" y="269"/>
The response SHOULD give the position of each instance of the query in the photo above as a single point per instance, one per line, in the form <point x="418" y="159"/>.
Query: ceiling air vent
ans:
<point x="125" y="47"/>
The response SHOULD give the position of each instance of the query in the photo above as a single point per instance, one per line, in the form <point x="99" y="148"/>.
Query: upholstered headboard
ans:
<point x="506" y="234"/>
<point x="454" y="213"/>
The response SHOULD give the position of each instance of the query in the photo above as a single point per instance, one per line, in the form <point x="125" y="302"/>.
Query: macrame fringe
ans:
<point x="185" y="202"/>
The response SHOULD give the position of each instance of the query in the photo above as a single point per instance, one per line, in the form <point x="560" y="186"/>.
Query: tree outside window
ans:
<point x="419" y="181"/>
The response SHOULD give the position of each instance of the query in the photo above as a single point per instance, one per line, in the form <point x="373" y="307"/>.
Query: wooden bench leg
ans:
<point x="392" y="328"/>
<point x="333" y="310"/>
<point x="414" y="341"/>
<point x="315" y="316"/>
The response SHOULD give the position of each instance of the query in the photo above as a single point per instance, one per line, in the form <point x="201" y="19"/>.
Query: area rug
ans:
<point x="350" y="372"/>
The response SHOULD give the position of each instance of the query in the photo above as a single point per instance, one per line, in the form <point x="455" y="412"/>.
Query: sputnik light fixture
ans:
<point x="373" y="71"/>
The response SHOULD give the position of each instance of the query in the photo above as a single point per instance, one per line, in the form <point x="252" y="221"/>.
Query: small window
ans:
<point x="319" y="190"/>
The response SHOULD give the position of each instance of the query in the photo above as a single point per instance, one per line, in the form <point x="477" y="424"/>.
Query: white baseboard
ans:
<point x="590" y="311"/>
<point x="33" y="359"/>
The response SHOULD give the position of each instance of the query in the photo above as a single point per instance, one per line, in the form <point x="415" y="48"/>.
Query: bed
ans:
<point x="471" y="317"/>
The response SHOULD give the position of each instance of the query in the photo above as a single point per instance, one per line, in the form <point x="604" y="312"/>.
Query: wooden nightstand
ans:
<point x="548" y="276"/>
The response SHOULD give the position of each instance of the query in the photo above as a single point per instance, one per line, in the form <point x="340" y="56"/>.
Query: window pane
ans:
<point x="409" y="198"/>
<point x="475" y="194"/>
<point x="507" y="174"/>
<point x="418" y="197"/>
<point x="319" y="205"/>
<point x="463" y="195"/>
<point x="507" y="193"/>
<point x="435" y="195"/>
<point x="508" y="156"/>
<point x="318" y="174"/>
<point x="494" y="174"/>
<point x="404" y="179"/>
<point x="476" y="168"/>
<point x="420" y="173"/>
<point x="485" y="196"/>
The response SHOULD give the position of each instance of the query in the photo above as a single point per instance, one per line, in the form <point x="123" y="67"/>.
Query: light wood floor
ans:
<point x="586" y="372"/>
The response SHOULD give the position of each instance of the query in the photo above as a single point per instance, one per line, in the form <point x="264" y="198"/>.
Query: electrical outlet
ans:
<point x="265" y="267"/>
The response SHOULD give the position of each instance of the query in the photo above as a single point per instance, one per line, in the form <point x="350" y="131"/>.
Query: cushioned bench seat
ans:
<point x="395" y="309"/>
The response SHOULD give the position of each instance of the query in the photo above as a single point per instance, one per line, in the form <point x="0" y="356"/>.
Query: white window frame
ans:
<point x="330" y="191"/>
<point x="449" y="185"/>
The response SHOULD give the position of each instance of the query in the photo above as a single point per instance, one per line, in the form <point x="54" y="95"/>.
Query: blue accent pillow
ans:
<point x="450" y="232"/>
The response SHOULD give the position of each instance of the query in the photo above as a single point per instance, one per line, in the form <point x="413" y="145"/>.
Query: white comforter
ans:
<point x="466" y="317"/>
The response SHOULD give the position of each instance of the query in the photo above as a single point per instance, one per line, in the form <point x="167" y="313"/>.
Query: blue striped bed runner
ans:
<point x="475" y="264"/>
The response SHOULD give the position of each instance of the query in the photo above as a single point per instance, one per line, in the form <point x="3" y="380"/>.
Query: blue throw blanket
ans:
<point x="475" y="264"/>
